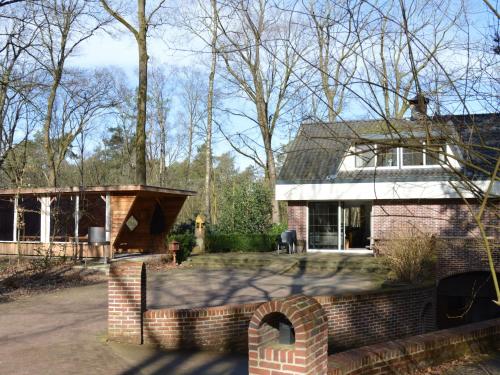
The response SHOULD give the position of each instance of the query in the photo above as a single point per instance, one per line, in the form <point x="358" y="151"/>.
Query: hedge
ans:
<point x="217" y="243"/>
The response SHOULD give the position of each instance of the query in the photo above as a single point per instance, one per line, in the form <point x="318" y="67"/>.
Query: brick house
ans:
<point x="349" y="185"/>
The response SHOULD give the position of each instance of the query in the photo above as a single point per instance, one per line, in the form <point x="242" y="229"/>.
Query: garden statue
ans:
<point x="199" y="234"/>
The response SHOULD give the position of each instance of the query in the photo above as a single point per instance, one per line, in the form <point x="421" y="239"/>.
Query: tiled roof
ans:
<point x="317" y="151"/>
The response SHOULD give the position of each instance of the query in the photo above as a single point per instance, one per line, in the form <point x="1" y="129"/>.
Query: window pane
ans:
<point x="413" y="157"/>
<point x="433" y="155"/>
<point x="387" y="156"/>
<point x="323" y="225"/>
<point x="365" y="157"/>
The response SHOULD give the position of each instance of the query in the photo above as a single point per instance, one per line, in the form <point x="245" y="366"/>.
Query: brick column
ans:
<point x="297" y="218"/>
<point x="309" y="353"/>
<point x="126" y="301"/>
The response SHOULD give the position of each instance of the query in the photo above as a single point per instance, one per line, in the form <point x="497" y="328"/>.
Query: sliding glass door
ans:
<point x="339" y="225"/>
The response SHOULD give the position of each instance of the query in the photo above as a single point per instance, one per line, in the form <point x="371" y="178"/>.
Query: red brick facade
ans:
<point x="297" y="218"/>
<point x="126" y="301"/>
<point x="460" y="255"/>
<point x="352" y="320"/>
<point x="307" y="355"/>
<point x="448" y="218"/>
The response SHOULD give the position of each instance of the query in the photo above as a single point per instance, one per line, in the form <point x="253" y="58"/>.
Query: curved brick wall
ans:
<point x="222" y="328"/>
<point x="356" y="320"/>
<point x="353" y="320"/>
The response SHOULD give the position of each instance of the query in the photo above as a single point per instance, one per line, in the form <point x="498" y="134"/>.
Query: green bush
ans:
<point x="217" y="243"/>
<point x="245" y="209"/>
<point x="186" y="244"/>
<point x="184" y="234"/>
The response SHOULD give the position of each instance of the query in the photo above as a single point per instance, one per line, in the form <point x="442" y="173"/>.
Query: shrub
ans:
<point x="410" y="256"/>
<point x="184" y="234"/>
<point x="186" y="244"/>
<point x="217" y="243"/>
<point x="246" y="209"/>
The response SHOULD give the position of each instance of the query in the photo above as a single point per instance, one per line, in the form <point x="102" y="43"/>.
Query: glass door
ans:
<point x="356" y="225"/>
<point x="325" y="225"/>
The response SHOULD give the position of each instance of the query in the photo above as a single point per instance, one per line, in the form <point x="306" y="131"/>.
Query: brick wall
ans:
<point x="459" y="255"/>
<point x="307" y="355"/>
<point x="126" y="301"/>
<point x="418" y="352"/>
<point x="352" y="320"/>
<point x="297" y="218"/>
<point x="450" y="218"/>
<point x="221" y="328"/>
<point x="363" y="319"/>
<point x="458" y="247"/>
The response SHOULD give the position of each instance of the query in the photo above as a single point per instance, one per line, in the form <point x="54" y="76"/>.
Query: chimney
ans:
<point x="418" y="107"/>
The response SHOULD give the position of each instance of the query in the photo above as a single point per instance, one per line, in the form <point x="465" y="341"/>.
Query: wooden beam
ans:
<point x="14" y="233"/>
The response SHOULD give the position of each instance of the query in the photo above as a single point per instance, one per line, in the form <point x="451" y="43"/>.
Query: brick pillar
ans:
<point x="309" y="353"/>
<point x="297" y="218"/>
<point x="126" y="301"/>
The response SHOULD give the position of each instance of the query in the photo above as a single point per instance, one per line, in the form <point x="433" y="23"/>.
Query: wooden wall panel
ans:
<point x="141" y="239"/>
<point x="120" y="207"/>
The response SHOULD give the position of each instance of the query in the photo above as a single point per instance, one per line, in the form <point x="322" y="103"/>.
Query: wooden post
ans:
<point x="108" y="217"/>
<point x="77" y="225"/>
<point x="14" y="230"/>
<point x="45" y="219"/>
<point x="107" y="227"/>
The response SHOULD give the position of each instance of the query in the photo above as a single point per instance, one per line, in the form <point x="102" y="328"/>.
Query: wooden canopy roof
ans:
<point x="113" y="189"/>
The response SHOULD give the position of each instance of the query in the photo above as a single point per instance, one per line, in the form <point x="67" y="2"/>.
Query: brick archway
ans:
<point x="308" y="354"/>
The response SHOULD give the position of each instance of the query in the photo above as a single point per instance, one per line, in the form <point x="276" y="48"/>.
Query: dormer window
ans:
<point x="417" y="154"/>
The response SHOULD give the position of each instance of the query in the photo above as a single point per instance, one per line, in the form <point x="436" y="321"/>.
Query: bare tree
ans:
<point x="140" y="33"/>
<point x="18" y="86"/>
<point x="387" y="54"/>
<point x="334" y="30"/>
<point x="67" y="24"/>
<point x="160" y="103"/>
<point x="254" y="47"/>
<point x="210" y="100"/>
<point x="192" y="89"/>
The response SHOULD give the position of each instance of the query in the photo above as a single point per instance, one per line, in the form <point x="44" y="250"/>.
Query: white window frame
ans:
<point x="375" y="147"/>
<point x="424" y="159"/>
<point x="399" y="159"/>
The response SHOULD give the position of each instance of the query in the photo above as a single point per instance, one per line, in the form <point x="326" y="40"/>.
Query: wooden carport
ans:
<point x="135" y="218"/>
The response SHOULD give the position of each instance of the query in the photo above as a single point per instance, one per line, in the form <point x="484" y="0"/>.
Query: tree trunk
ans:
<point x="271" y="180"/>
<point x="211" y="78"/>
<point x="163" y="141"/>
<point x="140" y="149"/>
<point x="270" y="167"/>
<point x="52" y="177"/>
<point x="190" y="148"/>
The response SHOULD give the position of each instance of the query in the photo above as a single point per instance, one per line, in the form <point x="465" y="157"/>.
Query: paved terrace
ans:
<point x="64" y="332"/>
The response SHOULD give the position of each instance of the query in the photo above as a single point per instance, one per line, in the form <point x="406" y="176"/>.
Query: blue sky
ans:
<point x="119" y="50"/>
